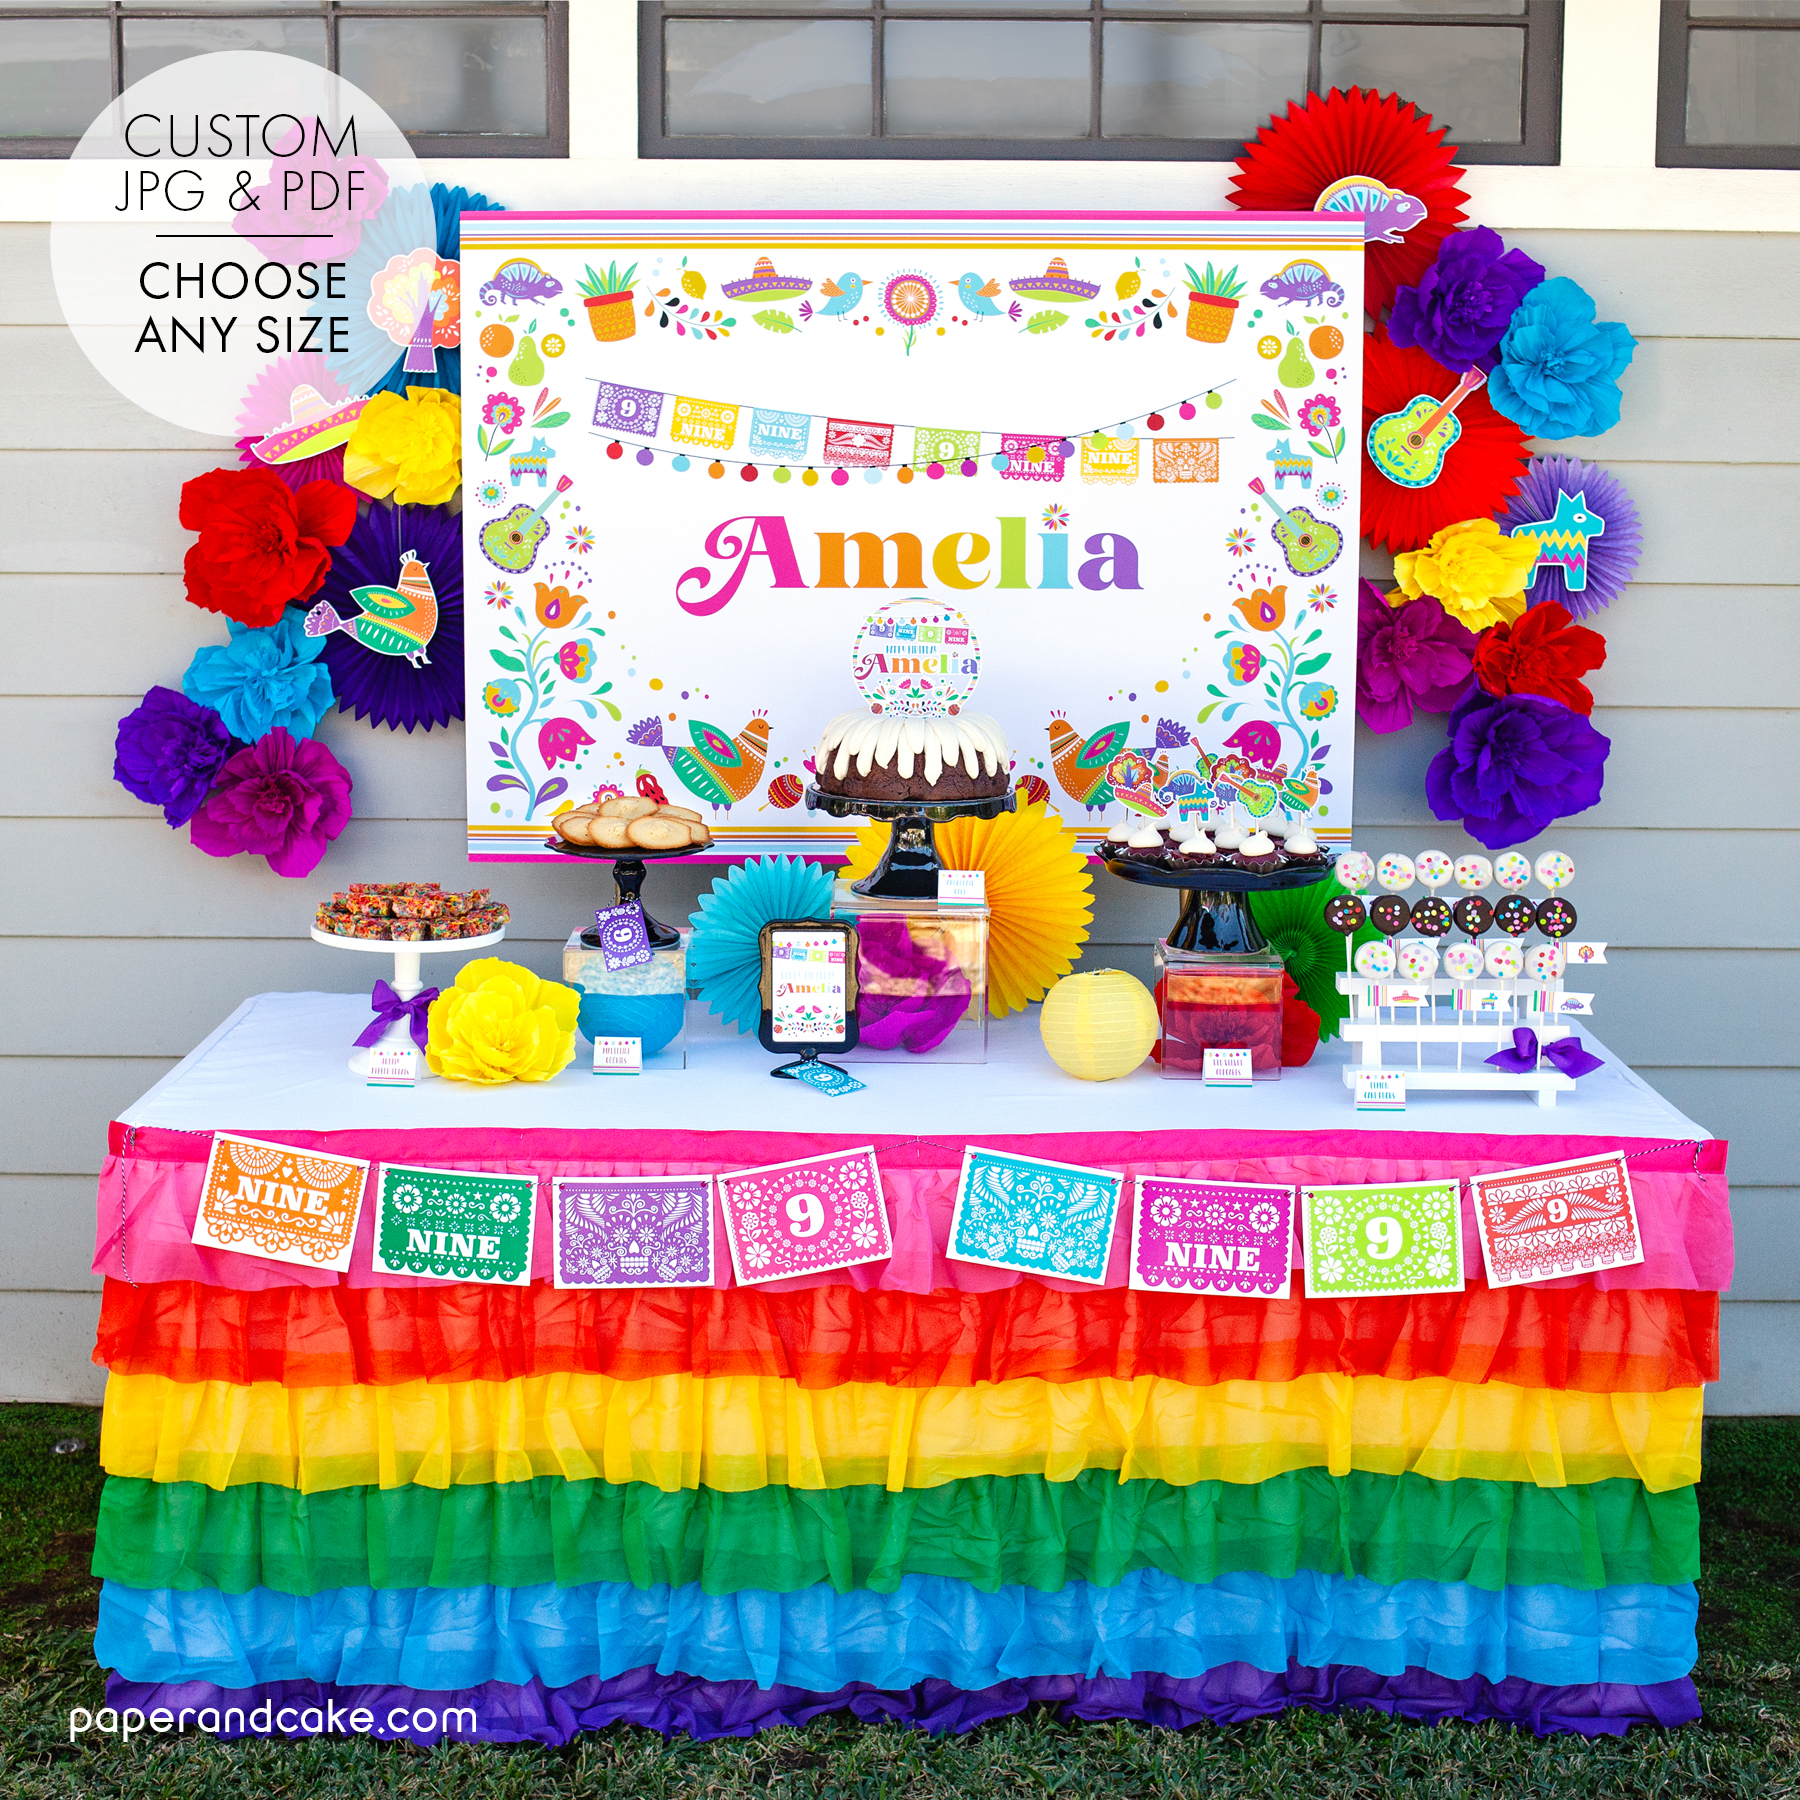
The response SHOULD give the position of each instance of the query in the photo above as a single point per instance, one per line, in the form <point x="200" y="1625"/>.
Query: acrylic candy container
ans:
<point x="921" y="978"/>
<point x="1207" y="1000"/>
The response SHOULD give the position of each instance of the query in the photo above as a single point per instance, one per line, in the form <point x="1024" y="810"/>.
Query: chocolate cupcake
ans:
<point x="1300" y="849"/>
<point x="1258" y="853"/>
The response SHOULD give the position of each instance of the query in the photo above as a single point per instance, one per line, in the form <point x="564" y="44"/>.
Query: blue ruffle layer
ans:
<point x="932" y="1627"/>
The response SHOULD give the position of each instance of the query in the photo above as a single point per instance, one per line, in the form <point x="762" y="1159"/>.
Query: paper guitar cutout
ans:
<point x="1409" y="446"/>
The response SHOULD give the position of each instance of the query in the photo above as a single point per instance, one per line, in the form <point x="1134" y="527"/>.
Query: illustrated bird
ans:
<point x="718" y="769"/>
<point x="1079" y="763"/>
<point x="845" y="296"/>
<point x="394" y="621"/>
<point x="978" y="296"/>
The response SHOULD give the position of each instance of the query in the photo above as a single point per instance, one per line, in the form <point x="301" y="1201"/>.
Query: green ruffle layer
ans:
<point x="992" y="1531"/>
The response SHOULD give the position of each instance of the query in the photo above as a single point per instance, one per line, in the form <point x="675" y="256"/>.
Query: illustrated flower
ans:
<point x="1464" y="302"/>
<point x="1258" y="741"/>
<point x="1409" y="657"/>
<point x="1474" y="568"/>
<point x="1056" y="518"/>
<point x="561" y="740"/>
<point x="1544" y="653"/>
<point x="756" y="1255"/>
<point x="504" y="1208"/>
<point x="1559" y="369"/>
<point x="264" y="677"/>
<point x="1320" y="413"/>
<point x="168" y="751"/>
<point x="498" y="593"/>
<point x="1331" y="1269"/>
<point x="491" y="491"/>
<point x="576" y="659"/>
<point x="503" y="697"/>
<point x="1438" y="1267"/>
<point x="262" y="546"/>
<point x="910" y="299"/>
<point x="1239" y="542"/>
<point x="864" y="1237"/>
<point x="1165" y="1209"/>
<point x="1513" y="765"/>
<point x="1321" y="598"/>
<point x="499" y="1022"/>
<point x="502" y="411"/>
<point x="1331" y="494"/>
<point x="1439" y="1232"/>
<point x="1318" y="700"/>
<point x="581" y="540"/>
<point x="408" y="448"/>
<point x="408" y="1199"/>
<point x="285" y="798"/>
<point x="1264" y="1216"/>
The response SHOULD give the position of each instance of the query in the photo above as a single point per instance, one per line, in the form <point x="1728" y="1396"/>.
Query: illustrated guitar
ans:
<point x="1409" y="446"/>
<point x="1309" y="544"/>
<point x="511" y="541"/>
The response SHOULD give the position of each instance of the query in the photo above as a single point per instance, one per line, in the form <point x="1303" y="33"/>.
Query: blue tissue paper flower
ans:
<point x="1559" y="368"/>
<point x="264" y="677"/>
<point x="724" y="960"/>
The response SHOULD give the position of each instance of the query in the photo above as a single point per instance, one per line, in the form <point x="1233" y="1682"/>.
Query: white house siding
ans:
<point x="122" y="945"/>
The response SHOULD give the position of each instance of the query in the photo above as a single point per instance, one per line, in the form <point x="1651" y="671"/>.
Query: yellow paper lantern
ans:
<point x="1098" y="1026"/>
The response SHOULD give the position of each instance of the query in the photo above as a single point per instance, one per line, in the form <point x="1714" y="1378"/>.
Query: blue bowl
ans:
<point x="655" y="1018"/>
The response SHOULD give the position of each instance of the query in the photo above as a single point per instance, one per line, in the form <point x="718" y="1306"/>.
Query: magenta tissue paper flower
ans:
<point x="1464" y="302"/>
<point x="168" y="750"/>
<point x="1411" y="657"/>
<point x="1514" y="765"/>
<point x="285" y="798"/>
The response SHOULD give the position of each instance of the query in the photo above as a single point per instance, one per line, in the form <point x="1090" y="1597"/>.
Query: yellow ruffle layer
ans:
<point x="739" y="1432"/>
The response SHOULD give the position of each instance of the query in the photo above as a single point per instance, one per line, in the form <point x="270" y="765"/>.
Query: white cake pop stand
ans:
<point x="407" y="981"/>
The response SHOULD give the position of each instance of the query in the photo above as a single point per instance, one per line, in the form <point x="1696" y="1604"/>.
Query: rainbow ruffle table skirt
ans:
<point x="920" y="1490"/>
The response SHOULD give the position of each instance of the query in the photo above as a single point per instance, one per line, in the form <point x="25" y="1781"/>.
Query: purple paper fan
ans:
<point x="1612" y="557"/>
<point x="388" y="690"/>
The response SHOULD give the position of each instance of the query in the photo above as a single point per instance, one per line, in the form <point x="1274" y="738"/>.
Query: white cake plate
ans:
<point x="407" y="981"/>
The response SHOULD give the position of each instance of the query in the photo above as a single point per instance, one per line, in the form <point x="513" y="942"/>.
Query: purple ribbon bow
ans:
<point x="1566" y="1054"/>
<point x="389" y="1007"/>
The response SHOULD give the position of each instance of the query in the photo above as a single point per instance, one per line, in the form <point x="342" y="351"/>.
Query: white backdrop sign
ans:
<point x="1095" y="475"/>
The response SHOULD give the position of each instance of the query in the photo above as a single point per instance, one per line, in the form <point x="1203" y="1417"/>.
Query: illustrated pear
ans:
<point x="528" y="366"/>
<point x="1295" y="371"/>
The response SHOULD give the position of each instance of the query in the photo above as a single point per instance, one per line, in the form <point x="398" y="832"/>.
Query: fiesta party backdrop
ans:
<point x="1097" y="476"/>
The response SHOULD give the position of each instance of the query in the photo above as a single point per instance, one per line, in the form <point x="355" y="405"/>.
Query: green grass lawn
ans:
<point x="1748" y="1744"/>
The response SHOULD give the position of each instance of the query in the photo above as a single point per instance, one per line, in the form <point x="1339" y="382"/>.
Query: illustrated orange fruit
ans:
<point x="693" y="284"/>
<point x="1326" y="341"/>
<point x="552" y="344"/>
<point x="496" y="340"/>
<point x="1269" y="347"/>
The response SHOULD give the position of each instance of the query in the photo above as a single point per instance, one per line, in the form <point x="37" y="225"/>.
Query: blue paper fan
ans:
<point x="724" y="962"/>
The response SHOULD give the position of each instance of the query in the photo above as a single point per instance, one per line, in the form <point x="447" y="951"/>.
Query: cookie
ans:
<point x="610" y="834"/>
<point x="666" y="811"/>
<point x="1390" y="914"/>
<point x="699" y="834"/>
<point x="1432" y="917"/>
<point x="1554" y="869"/>
<point x="651" y="833"/>
<point x="1473" y="873"/>
<point x="1395" y="872"/>
<point x="626" y="806"/>
<point x="1375" y="959"/>
<point x="1345" y="913"/>
<point x="1555" y="916"/>
<point x="1515" y="915"/>
<point x="1473" y="915"/>
<point x="574" y="827"/>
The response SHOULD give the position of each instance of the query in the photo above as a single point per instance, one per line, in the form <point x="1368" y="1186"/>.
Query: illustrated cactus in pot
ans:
<point x="608" y="301"/>
<point x="1212" y="300"/>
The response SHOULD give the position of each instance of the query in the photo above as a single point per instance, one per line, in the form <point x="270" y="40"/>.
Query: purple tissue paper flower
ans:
<point x="1559" y="368"/>
<point x="285" y="798"/>
<point x="168" y="750"/>
<point x="1408" y="657"/>
<point x="1464" y="302"/>
<point x="1513" y="765"/>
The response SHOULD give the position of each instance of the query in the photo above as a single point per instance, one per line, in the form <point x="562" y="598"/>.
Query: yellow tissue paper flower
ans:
<point x="1477" y="571"/>
<point x="501" y="1023"/>
<point x="411" y="448"/>
<point x="1039" y="894"/>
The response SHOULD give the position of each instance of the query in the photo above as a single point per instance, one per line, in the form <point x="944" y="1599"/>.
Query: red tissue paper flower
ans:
<point x="262" y="546"/>
<point x="1544" y="652"/>
<point x="1338" y="138"/>
<point x="1299" y="1025"/>
<point x="285" y="798"/>
<point x="1480" y="470"/>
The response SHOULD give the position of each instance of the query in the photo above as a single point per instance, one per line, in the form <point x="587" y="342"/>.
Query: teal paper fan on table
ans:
<point x="724" y="960"/>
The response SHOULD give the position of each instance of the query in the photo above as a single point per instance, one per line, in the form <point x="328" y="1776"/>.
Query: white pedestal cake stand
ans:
<point x="407" y="981"/>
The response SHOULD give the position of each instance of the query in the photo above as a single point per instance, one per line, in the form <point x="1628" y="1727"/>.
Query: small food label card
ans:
<point x="805" y="1217"/>
<point x="1212" y="1237"/>
<point x="291" y="1206"/>
<point x="1567" y="1218"/>
<point x="962" y="887"/>
<point x="455" y="1225"/>
<point x="618" y="1056"/>
<point x="1224" y="1067"/>
<point x="1403" y="1238"/>
<point x="393" y="1065"/>
<point x="626" y="1231"/>
<point x="1045" y="1218"/>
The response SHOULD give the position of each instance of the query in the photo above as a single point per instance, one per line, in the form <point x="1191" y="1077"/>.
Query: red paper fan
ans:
<point x="1291" y="163"/>
<point x="1481" y="469"/>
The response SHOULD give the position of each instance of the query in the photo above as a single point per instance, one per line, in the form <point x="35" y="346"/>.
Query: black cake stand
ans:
<point x="628" y="884"/>
<point x="908" y="869"/>
<point x="1215" y="914"/>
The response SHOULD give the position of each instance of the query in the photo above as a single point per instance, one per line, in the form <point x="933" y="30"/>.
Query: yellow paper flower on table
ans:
<point x="1100" y="1025"/>
<point x="501" y="1023"/>
<point x="411" y="448"/>
<point x="1474" y="568"/>
<point x="1039" y="894"/>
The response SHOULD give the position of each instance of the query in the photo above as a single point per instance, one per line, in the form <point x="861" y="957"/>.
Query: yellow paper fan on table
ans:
<point x="1039" y="894"/>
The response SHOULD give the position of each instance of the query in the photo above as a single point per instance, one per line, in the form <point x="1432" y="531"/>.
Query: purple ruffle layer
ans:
<point x="702" y="1709"/>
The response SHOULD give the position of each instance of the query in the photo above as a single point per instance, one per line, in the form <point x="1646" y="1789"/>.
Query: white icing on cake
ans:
<point x="878" y="740"/>
<point x="1256" y="843"/>
<point x="1146" y="837"/>
<point x="1119" y="833"/>
<point x="1300" y="840"/>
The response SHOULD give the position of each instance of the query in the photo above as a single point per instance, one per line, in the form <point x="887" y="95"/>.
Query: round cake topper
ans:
<point x="916" y="657"/>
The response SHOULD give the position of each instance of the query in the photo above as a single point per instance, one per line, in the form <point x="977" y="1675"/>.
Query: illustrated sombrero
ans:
<point x="765" y="281"/>
<point x="313" y="427"/>
<point x="1056" y="283"/>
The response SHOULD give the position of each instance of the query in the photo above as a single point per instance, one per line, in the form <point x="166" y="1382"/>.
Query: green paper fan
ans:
<point x="1293" y="921"/>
